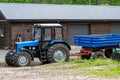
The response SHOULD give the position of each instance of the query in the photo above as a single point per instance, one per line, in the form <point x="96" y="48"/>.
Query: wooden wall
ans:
<point x="24" y="29"/>
<point x="65" y="29"/>
<point x="100" y="28"/>
<point x="11" y="30"/>
<point x="5" y="40"/>
<point x="1" y="17"/>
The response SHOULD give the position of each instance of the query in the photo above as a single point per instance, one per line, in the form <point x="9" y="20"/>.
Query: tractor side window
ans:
<point x="48" y="33"/>
<point x="37" y="33"/>
<point x="58" y="33"/>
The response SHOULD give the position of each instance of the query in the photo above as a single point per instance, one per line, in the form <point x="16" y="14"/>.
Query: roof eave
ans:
<point x="61" y="20"/>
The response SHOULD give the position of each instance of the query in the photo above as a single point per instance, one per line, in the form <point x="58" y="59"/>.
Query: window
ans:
<point x="58" y="33"/>
<point x="1" y="32"/>
<point x="48" y="33"/>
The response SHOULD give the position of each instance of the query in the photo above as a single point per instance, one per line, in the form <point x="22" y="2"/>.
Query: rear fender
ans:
<point x="61" y="41"/>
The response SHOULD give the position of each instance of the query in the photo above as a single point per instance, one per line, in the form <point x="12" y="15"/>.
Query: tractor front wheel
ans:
<point x="9" y="58"/>
<point x="57" y="53"/>
<point x="22" y="59"/>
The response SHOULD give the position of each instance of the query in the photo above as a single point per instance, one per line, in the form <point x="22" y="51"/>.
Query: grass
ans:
<point x="108" y="71"/>
<point x="99" y="68"/>
<point x="78" y="63"/>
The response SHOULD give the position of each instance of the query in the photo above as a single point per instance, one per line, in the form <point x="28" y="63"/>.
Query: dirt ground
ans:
<point x="38" y="71"/>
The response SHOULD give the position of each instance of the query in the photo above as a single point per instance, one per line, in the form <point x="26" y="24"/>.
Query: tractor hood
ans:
<point x="20" y="45"/>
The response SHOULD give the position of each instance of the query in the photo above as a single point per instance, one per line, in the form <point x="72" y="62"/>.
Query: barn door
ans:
<point x="77" y="29"/>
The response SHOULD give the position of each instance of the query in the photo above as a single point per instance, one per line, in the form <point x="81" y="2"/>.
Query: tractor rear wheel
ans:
<point x="9" y="58"/>
<point x="57" y="53"/>
<point x="22" y="59"/>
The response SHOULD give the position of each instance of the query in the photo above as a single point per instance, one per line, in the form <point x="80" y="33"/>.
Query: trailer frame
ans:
<point x="86" y="51"/>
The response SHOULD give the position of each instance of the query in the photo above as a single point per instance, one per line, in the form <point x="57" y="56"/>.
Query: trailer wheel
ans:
<point x="108" y="52"/>
<point x="116" y="56"/>
<point x="22" y="59"/>
<point x="113" y="56"/>
<point x="9" y="58"/>
<point x="86" y="56"/>
<point x="98" y="54"/>
<point x="58" y="52"/>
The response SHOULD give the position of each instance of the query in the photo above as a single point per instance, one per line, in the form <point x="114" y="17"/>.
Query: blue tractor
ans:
<point x="48" y="45"/>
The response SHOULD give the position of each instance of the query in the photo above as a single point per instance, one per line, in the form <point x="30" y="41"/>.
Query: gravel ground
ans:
<point x="37" y="71"/>
<point x="42" y="72"/>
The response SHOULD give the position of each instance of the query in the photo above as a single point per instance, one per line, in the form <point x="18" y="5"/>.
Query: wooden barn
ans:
<point x="76" y="19"/>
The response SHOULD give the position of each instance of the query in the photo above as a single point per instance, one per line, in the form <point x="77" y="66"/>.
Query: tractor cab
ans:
<point x="48" y="33"/>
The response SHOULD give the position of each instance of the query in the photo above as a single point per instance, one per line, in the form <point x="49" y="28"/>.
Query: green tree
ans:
<point x="114" y="2"/>
<point x="78" y="2"/>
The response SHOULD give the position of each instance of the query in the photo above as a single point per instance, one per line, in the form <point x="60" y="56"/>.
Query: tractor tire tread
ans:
<point x="16" y="63"/>
<point x="53" y="48"/>
<point x="9" y="59"/>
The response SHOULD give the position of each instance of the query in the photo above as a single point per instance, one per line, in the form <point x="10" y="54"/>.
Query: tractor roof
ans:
<point x="48" y="25"/>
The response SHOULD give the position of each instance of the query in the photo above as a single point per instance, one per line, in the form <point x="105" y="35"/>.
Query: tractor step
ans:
<point x="43" y="60"/>
<point x="43" y="56"/>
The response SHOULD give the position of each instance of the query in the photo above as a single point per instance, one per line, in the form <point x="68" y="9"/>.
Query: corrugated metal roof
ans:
<point x="15" y="11"/>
